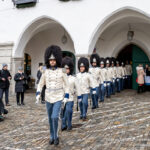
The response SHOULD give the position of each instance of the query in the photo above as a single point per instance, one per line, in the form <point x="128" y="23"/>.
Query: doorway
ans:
<point x="135" y="55"/>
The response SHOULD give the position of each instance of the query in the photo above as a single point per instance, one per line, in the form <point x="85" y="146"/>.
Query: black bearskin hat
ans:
<point x="85" y="62"/>
<point x="117" y="62"/>
<point x="108" y="59"/>
<point x="56" y="52"/>
<point x="96" y="58"/>
<point x="113" y="60"/>
<point x="102" y="60"/>
<point x="122" y="63"/>
<point x="69" y="62"/>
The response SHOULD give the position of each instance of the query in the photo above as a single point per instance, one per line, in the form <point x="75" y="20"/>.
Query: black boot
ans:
<point x="143" y="88"/>
<point x="63" y="129"/>
<point x="56" y="142"/>
<point x="22" y="103"/>
<point x="42" y="102"/>
<point x="18" y="104"/>
<point x="51" y="142"/>
<point x="69" y="128"/>
<point x="138" y="91"/>
<point x="5" y="111"/>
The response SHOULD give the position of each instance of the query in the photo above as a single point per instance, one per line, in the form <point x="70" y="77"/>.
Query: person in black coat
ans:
<point x="20" y="79"/>
<point x="5" y="78"/>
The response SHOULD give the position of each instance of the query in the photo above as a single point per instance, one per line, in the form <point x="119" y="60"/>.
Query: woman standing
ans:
<point x="20" y="79"/>
<point x="140" y="78"/>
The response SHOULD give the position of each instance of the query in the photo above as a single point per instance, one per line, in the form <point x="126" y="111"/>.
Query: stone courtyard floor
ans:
<point x="121" y="123"/>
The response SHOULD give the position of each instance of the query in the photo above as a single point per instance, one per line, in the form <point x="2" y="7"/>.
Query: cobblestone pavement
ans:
<point x="121" y="123"/>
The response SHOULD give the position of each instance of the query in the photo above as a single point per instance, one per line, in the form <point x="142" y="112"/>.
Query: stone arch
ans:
<point x="114" y="17"/>
<point x="31" y="29"/>
<point x="123" y="44"/>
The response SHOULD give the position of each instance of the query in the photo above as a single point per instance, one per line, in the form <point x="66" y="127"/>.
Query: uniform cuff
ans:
<point x="79" y="97"/>
<point x="66" y="95"/>
<point x="93" y="89"/>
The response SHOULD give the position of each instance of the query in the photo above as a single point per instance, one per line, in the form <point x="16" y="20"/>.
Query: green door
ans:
<point x="138" y="57"/>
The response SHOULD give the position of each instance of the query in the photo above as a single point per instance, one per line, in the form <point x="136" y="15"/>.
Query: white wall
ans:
<point x="37" y="45"/>
<point x="80" y="18"/>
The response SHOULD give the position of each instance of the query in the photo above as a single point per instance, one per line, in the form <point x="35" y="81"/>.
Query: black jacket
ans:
<point x="20" y="83"/>
<point x="4" y="74"/>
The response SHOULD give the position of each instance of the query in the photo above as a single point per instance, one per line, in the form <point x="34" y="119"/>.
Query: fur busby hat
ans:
<point x="102" y="61"/>
<point x="117" y="62"/>
<point x="122" y="63"/>
<point x="108" y="60"/>
<point x="83" y="62"/>
<point x="67" y="62"/>
<point x="53" y="52"/>
<point x="113" y="61"/>
<point x="95" y="59"/>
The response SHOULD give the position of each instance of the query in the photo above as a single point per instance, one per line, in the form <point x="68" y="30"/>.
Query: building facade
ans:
<point x="77" y="26"/>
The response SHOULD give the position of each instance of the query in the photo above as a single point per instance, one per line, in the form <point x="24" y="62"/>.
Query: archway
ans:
<point x="112" y="31"/>
<point x="135" y="55"/>
<point x="41" y="33"/>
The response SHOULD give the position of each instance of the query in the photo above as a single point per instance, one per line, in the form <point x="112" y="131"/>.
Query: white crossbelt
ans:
<point x="50" y="90"/>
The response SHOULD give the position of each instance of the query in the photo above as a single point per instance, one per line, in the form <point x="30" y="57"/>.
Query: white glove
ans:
<point x="93" y="92"/>
<point x="113" y="80"/>
<point x="108" y="84"/>
<point x="117" y="80"/>
<point x="104" y="84"/>
<point x="79" y="100"/>
<point x="37" y="99"/>
<point x="65" y="100"/>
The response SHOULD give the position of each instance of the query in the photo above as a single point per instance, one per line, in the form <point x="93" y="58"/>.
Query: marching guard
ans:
<point x="102" y="86"/>
<point x="85" y="81"/>
<point x="119" y="76"/>
<point x="114" y="74"/>
<point x="74" y="90"/>
<point x="95" y="73"/>
<point x="57" y="89"/>
<point x="129" y="74"/>
<point x="109" y="78"/>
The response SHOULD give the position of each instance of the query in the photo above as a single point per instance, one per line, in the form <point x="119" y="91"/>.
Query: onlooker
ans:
<point x="140" y="78"/>
<point x="5" y="78"/>
<point x="20" y="79"/>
